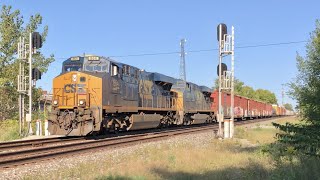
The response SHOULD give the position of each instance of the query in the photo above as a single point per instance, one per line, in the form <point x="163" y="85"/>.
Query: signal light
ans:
<point x="36" y="74"/>
<point x="36" y="40"/>
<point x="223" y="69"/>
<point x="223" y="31"/>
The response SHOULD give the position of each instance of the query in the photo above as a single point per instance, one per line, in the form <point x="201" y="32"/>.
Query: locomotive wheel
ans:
<point x="187" y="123"/>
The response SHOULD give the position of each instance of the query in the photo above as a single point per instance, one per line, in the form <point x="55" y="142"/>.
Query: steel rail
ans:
<point x="12" y="145"/>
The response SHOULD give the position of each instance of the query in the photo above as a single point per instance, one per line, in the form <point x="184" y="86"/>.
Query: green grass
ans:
<point x="240" y="158"/>
<point x="9" y="130"/>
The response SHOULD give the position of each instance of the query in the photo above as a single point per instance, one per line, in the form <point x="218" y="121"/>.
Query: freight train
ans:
<point x="98" y="95"/>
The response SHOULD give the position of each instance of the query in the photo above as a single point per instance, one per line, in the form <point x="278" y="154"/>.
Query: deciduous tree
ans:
<point x="247" y="91"/>
<point x="288" y="106"/>
<point x="305" y="137"/>
<point x="12" y="26"/>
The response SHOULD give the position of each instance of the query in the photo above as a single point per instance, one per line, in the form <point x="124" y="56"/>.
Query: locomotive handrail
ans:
<point x="94" y="98"/>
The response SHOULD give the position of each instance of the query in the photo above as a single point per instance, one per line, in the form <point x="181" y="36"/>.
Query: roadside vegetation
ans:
<point x="199" y="157"/>
<point x="9" y="130"/>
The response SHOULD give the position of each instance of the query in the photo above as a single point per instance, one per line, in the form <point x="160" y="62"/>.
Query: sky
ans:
<point x="119" y="28"/>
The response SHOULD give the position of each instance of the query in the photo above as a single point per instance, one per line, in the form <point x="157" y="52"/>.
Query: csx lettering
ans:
<point x="71" y="88"/>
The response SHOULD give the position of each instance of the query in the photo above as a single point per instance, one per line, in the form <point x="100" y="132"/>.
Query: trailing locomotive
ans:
<point x="94" y="94"/>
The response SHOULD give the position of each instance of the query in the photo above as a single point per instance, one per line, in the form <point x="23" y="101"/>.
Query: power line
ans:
<point x="204" y="50"/>
<point x="272" y="44"/>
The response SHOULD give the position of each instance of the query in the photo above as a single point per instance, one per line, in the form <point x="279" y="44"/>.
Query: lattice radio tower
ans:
<point x="182" y="61"/>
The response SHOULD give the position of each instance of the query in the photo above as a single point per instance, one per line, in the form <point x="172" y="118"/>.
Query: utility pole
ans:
<point x="226" y="79"/>
<point x="282" y="95"/>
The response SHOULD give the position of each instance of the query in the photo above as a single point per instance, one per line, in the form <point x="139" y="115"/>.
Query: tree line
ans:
<point x="241" y="89"/>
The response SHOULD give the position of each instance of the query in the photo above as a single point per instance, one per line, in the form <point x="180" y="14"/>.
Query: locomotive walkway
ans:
<point x="33" y="151"/>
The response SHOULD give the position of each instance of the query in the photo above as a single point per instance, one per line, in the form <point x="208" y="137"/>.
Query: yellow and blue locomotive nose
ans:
<point x="76" y="103"/>
<point x="72" y="89"/>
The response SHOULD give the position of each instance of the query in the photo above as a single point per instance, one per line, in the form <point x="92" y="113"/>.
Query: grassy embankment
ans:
<point x="240" y="158"/>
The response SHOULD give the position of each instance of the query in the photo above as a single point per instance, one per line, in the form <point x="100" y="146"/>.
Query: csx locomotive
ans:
<point x="95" y="94"/>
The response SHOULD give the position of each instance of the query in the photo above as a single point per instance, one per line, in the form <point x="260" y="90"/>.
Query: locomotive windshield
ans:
<point x="96" y="64"/>
<point x="96" y="67"/>
<point x="86" y="63"/>
<point x="72" y="67"/>
<point x="72" y="64"/>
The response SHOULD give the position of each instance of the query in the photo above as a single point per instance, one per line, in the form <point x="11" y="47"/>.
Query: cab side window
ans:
<point x="114" y="70"/>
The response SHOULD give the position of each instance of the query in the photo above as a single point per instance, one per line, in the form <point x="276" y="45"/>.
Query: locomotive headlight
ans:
<point x="82" y="102"/>
<point x="55" y="102"/>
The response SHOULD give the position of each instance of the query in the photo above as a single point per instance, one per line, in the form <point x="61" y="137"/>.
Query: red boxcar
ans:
<point x="243" y="107"/>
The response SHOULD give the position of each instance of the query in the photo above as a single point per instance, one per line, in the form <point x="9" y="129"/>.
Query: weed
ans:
<point x="241" y="133"/>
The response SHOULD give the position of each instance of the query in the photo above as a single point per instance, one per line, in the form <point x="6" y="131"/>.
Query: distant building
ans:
<point x="45" y="101"/>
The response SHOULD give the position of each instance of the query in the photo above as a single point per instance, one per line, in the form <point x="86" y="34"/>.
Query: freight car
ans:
<point x="278" y="110"/>
<point x="95" y="94"/>
<point x="244" y="108"/>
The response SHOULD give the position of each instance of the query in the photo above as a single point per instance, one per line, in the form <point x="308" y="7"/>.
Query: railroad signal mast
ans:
<point x="25" y="82"/>
<point x="226" y="78"/>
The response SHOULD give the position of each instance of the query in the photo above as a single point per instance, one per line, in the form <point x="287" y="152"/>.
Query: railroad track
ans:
<point x="33" y="143"/>
<point x="81" y="145"/>
<point x="14" y="145"/>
